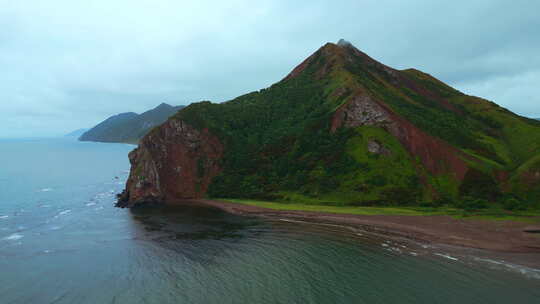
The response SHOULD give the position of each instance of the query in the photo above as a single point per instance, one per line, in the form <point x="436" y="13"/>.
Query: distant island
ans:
<point x="76" y="133"/>
<point x="129" y="127"/>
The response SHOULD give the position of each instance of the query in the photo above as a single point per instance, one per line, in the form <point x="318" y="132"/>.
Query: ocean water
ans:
<point x="62" y="241"/>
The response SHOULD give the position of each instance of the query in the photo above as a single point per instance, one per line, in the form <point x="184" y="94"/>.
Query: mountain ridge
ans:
<point x="341" y="128"/>
<point x="129" y="127"/>
<point x="76" y="133"/>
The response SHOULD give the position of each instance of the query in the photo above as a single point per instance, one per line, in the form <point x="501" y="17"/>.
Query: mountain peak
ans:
<point x="332" y="56"/>
<point x="344" y="43"/>
<point x="163" y="105"/>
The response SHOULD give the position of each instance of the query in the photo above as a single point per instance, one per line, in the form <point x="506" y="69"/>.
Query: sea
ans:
<point x="63" y="241"/>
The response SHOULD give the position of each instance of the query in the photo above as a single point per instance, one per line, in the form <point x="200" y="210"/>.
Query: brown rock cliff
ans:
<point x="174" y="161"/>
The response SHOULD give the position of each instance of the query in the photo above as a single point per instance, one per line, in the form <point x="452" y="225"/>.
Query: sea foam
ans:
<point x="14" y="237"/>
<point x="62" y="213"/>
<point x="447" y="256"/>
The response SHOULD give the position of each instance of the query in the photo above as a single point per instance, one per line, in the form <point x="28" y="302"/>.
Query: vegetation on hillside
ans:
<point x="279" y="143"/>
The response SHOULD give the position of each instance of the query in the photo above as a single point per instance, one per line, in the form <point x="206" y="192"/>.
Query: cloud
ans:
<point x="70" y="64"/>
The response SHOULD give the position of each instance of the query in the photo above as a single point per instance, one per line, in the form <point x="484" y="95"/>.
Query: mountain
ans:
<point x="342" y="128"/>
<point x="129" y="127"/>
<point x="76" y="133"/>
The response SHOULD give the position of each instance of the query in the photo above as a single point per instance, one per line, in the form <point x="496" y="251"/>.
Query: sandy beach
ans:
<point x="502" y="237"/>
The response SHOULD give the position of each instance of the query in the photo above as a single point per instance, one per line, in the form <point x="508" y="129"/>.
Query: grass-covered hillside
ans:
<point x="302" y="139"/>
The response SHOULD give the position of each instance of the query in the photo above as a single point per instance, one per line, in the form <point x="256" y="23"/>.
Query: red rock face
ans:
<point x="176" y="161"/>
<point x="437" y="156"/>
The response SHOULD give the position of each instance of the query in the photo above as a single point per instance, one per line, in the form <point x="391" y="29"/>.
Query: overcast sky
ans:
<point x="68" y="64"/>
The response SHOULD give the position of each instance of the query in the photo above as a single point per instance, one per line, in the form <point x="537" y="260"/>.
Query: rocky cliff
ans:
<point x="341" y="128"/>
<point x="174" y="161"/>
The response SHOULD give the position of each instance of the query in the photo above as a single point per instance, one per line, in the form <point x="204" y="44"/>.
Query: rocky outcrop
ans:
<point x="174" y="161"/>
<point x="437" y="156"/>
<point x="376" y="147"/>
<point x="362" y="110"/>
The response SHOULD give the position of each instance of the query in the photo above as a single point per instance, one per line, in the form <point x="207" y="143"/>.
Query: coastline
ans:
<point x="502" y="238"/>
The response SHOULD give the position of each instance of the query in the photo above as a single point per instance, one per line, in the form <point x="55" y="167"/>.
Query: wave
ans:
<point x="3" y="217"/>
<point x="14" y="237"/>
<point x="46" y="189"/>
<point x="447" y="256"/>
<point x="526" y="271"/>
<point x="63" y="213"/>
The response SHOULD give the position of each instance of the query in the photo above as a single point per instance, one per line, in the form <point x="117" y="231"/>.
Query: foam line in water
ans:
<point x="447" y="256"/>
<point x="527" y="271"/>
<point x="64" y="212"/>
<point x="14" y="237"/>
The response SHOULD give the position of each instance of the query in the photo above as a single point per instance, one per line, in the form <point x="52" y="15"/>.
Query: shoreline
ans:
<point x="505" y="239"/>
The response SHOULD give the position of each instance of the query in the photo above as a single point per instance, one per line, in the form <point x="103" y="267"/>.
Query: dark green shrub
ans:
<point x="513" y="204"/>
<point x="377" y="180"/>
<point x="468" y="203"/>
<point x="444" y="200"/>
<point x="479" y="184"/>
<point x="400" y="195"/>
<point x="428" y="204"/>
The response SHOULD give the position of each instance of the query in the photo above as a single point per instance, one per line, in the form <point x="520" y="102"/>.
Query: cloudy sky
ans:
<point x="68" y="64"/>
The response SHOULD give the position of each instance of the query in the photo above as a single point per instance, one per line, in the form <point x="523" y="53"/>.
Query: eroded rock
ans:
<point x="437" y="156"/>
<point x="175" y="161"/>
<point x="377" y="148"/>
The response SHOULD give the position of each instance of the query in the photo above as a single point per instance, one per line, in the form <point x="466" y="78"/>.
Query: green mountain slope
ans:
<point x="129" y="127"/>
<point x="343" y="128"/>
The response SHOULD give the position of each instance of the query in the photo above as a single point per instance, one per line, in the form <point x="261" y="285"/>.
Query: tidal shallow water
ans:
<point x="62" y="241"/>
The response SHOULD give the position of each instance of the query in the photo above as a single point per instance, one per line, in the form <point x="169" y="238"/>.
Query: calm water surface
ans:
<point x="61" y="241"/>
